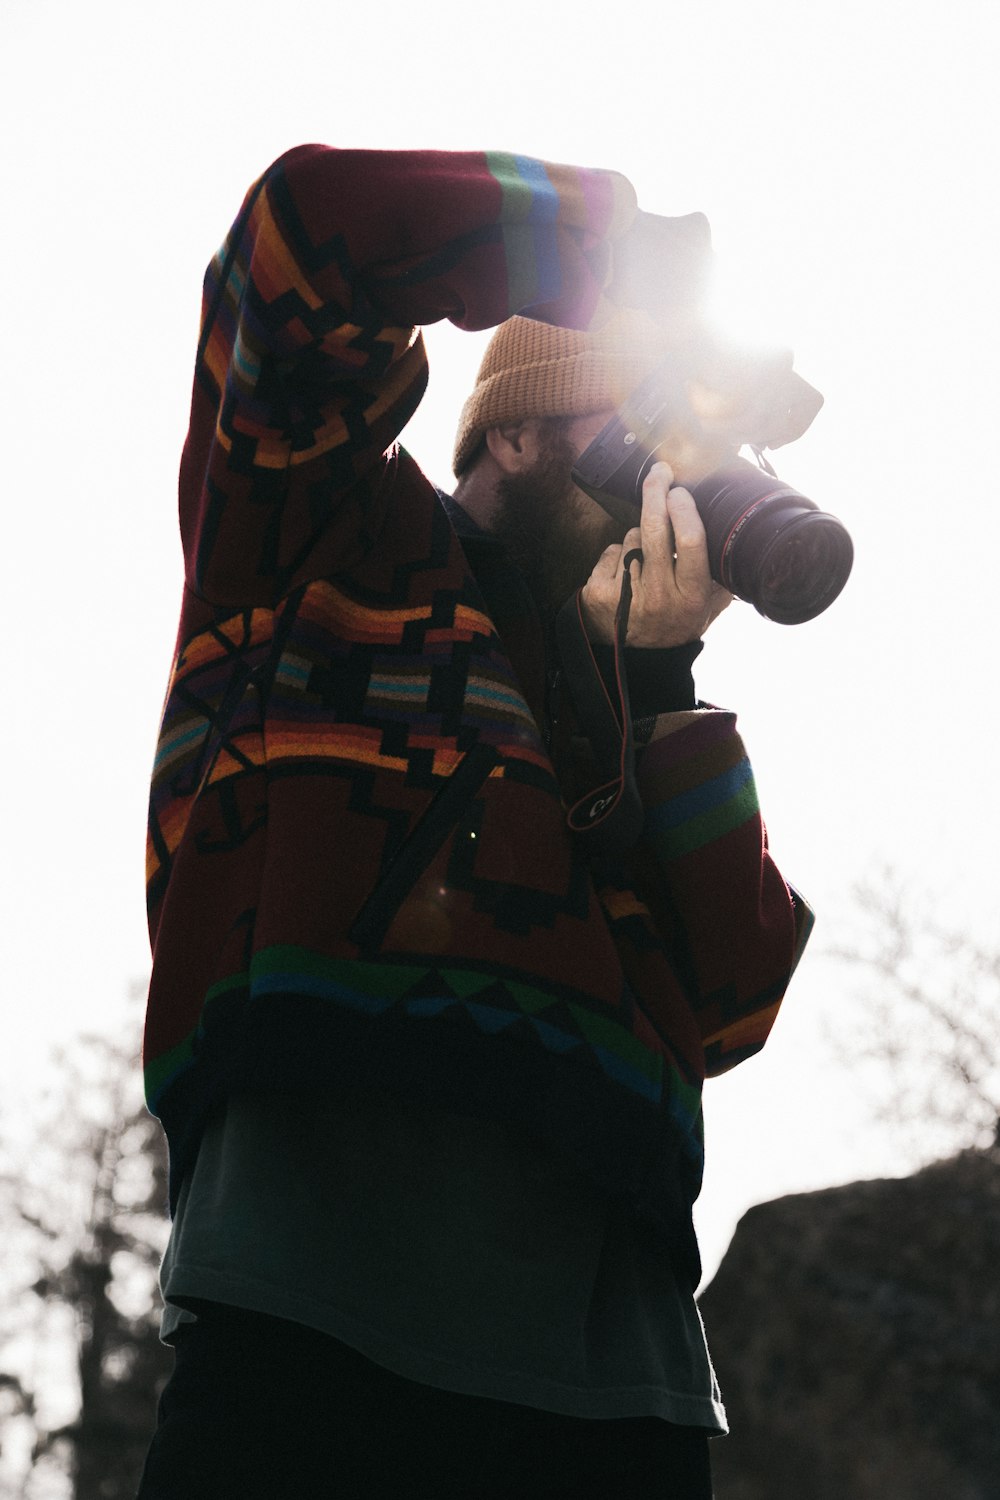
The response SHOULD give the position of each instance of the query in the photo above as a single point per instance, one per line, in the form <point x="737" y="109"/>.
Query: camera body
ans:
<point x="767" y="544"/>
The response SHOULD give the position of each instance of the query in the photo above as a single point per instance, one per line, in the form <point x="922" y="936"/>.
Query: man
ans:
<point x="428" y="1061"/>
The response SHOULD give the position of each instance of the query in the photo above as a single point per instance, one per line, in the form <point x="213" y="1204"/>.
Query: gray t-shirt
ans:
<point x="454" y="1251"/>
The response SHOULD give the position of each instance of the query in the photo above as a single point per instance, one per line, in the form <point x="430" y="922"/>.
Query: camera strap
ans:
<point x="609" y="819"/>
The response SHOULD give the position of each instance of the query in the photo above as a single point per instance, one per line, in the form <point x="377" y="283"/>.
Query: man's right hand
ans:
<point x="674" y="597"/>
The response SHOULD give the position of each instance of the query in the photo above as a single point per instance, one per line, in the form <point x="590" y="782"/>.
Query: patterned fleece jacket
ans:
<point x="358" y="859"/>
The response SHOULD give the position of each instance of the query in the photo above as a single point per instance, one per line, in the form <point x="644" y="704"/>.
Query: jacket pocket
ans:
<point x="421" y="845"/>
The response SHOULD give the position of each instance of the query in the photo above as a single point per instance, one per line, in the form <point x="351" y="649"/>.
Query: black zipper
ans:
<point x="421" y="845"/>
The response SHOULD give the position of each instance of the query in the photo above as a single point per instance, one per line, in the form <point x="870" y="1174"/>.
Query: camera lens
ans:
<point x="771" y="546"/>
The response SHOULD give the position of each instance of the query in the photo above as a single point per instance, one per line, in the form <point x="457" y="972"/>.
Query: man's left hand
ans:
<point x="674" y="598"/>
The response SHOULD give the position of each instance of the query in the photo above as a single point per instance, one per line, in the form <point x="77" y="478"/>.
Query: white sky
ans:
<point x="846" y="155"/>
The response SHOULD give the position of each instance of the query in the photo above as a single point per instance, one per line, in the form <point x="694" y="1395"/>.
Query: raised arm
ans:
<point x="308" y="362"/>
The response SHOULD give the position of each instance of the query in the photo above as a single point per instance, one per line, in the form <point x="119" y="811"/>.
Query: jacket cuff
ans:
<point x="659" y="678"/>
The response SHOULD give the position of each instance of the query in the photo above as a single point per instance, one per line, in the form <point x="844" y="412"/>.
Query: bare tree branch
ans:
<point x="926" y="1015"/>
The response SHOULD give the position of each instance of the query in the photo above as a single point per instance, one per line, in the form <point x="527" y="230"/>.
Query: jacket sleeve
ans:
<point x="308" y="363"/>
<point x="736" y="929"/>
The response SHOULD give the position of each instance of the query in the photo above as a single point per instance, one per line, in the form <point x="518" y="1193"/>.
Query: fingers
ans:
<point x="691" y="570"/>
<point x="672" y="536"/>
<point x="674" y="597"/>
<point x="654" y="524"/>
<point x="608" y="564"/>
<point x="631" y="552"/>
<point x="600" y="593"/>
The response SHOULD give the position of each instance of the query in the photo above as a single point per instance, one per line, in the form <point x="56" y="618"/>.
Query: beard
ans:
<point x="551" y="531"/>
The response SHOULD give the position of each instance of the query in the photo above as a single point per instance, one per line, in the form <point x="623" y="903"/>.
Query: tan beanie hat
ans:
<point x="536" y="370"/>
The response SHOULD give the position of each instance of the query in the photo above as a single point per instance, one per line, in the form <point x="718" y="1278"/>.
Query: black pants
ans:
<point x="259" y="1407"/>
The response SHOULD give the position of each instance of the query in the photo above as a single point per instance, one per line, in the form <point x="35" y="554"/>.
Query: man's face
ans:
<point x="550" y="529"/>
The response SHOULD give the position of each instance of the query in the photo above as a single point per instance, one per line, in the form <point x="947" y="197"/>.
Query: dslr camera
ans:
<point x="767" y="544"/>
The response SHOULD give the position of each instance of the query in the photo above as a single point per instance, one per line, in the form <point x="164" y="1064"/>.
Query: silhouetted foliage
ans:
<point x="929" y="1019"/>
<point x="82" y="1206"/>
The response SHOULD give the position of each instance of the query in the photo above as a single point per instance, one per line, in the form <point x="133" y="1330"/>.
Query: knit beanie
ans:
<point x="537" y="370"/>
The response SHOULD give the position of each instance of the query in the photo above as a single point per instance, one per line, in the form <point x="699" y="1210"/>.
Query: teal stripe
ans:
<point x="248" y="364"/>
<point x="497" y="696"/>
<point x="288" y="669"/>
<point x="319" y="988"/>
<point x="237" y="280"/>
<point x="177" y="742"/>
<point x="491" y="1018"/>
<point x="383" y="687"/>
<point x="554" y="1039"/>
<point x="617" y="1068"/>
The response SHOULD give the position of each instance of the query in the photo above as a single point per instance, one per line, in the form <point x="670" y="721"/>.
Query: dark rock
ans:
<point x="856" y="1334"/>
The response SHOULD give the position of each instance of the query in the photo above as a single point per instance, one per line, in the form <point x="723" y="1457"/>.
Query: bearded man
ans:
<point x="429" y="1050"/>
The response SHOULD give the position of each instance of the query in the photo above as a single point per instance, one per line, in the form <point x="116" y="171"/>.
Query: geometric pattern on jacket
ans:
<point x="358" y="858"/>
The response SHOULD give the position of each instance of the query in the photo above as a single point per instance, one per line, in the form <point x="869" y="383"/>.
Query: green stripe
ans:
<point x="708" y="826"/>
<point x="518" y="236"/>
<point x="160" y="1069"/>
<point x="602" y="1031"/>
<point x="529" y="999"/>
<point x="515" y="204"/>
<point x="234" y="982"/>
<point x="367" y="978"/>
<point x="156" y="1072"/>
